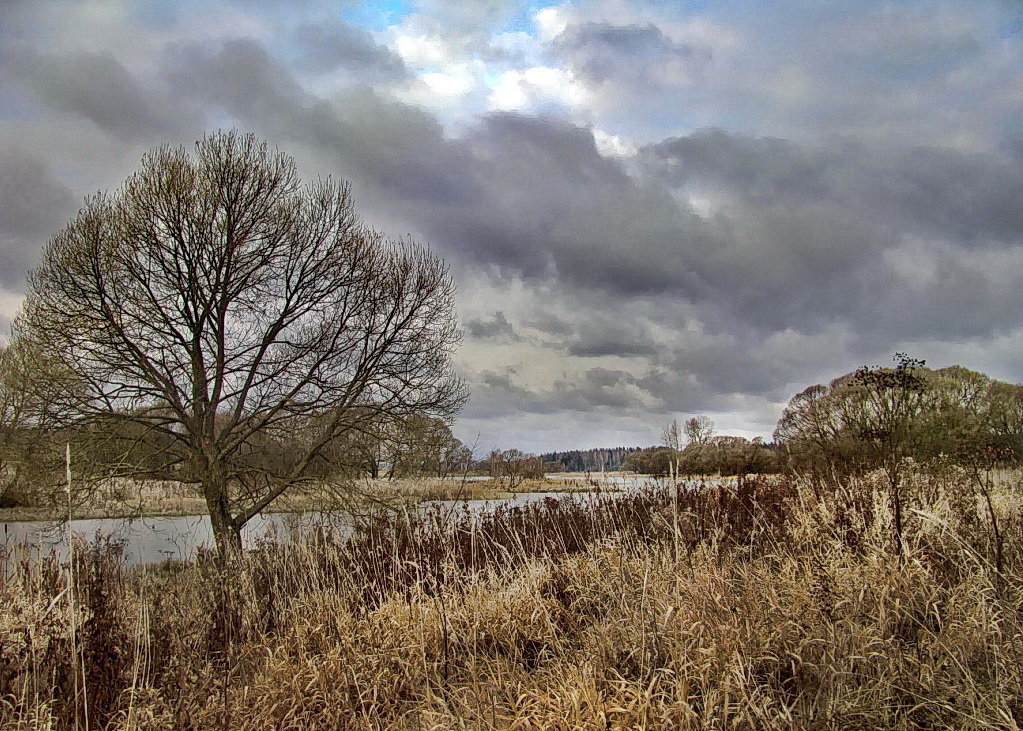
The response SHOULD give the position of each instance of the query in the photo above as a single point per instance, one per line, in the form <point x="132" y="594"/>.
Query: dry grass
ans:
<point x="759" y="605"/>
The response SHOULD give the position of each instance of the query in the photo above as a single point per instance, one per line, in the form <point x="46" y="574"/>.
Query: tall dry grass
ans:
<point x="762" y="604"/>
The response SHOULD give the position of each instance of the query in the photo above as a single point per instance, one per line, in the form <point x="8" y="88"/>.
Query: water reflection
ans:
<point x="149" y="540"/>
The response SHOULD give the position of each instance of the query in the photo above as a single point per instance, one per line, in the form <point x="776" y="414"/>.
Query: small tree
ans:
<point x="29" y="385"/>
<point x="420" y="446"/>
<point x="249" y="321"/>
<point x="14" y="403"/>
<point x="671" y="438"/>
<point x="888" y="404"/>
<point x="650" y="461"/>
<point x="699" y="429"/>
<point x="513" y="466"/>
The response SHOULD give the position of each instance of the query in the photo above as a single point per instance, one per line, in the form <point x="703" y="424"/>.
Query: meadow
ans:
<point x="769" y="602"/>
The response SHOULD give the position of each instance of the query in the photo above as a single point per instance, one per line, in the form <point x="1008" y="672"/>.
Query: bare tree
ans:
<point x="514" y="466"/>
<point x="218" y="303"/>
<point x="699" y="429"/>
<point x="15" y="427"/>
<point x="812" y="431"/>
<point x="671" y="438"/>
<point x="422" y="446"/>
<point x="889" y="402"/>
<point x="29" y="384"/>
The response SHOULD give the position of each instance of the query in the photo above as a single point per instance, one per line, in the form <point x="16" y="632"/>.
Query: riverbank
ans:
<point x="770" y="603"/>
<point x="123" y="498"/>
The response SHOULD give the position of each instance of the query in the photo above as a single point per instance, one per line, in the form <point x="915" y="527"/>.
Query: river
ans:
<point x="156" y="539"/>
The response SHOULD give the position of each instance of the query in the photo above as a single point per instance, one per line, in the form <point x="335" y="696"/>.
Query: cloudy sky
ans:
<point x="652" y="208"/>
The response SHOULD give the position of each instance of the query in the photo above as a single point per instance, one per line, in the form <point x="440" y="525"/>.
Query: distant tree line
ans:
<point x="719" y="455"/>
<point x="587" y="460"/>
<point x="868" y="419"/>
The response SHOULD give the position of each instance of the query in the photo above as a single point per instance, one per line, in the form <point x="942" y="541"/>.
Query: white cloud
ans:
<point x="421" y="51"/>
<point x="455" y="80"/>
<point x="611" y="145"/>
<point x="537" y="88"/>
<point x="552" y="21"/>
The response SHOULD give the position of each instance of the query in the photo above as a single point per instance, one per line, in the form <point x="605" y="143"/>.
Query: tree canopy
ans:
<point x="224" y="309"/>
<point x="871" y="417"/>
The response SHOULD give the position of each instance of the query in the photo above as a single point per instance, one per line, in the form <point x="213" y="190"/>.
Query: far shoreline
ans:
<point x="398" y="492"/>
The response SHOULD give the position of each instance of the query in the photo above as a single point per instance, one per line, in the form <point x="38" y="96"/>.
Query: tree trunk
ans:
<point x="226" y="531"/>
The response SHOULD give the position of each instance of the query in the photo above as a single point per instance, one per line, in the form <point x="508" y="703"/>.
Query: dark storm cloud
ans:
<point x="762" y="169"/>
<point x="339" y="46"/>
<point x="802" y="237"/>
<point x="630" y="54"/>
<point x="817" y="235"/>
<point x="391" y="151"/>
<point x="608" y="346"/>
<point x="722" y="366"/>
<point x="972" y="197"/>
<point x="496" y="394"/>
<point x="908" y="71"/>
<point x="498" y="327"/>
<point x="605" y="336"/>
<point x="526" y="193"/>
<point x="236" y="76"/>
<point x="32" y="208"/>
<point x="596" y="388"/>
<point x="551" y="203"/>
<point x="95" y="86"/>
<point x="551" y="324"/>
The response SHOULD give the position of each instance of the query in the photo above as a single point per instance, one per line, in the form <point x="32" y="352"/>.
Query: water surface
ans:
<point x="155" y="539"/>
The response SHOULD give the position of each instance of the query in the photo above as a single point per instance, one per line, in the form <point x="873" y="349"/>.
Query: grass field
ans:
<point x="767" y="603"/>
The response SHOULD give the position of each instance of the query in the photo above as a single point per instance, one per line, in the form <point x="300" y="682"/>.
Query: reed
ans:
<point x="764" y="603"/>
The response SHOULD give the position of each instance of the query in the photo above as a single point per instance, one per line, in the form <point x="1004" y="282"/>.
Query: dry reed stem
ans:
<point x="782" y="611"/>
